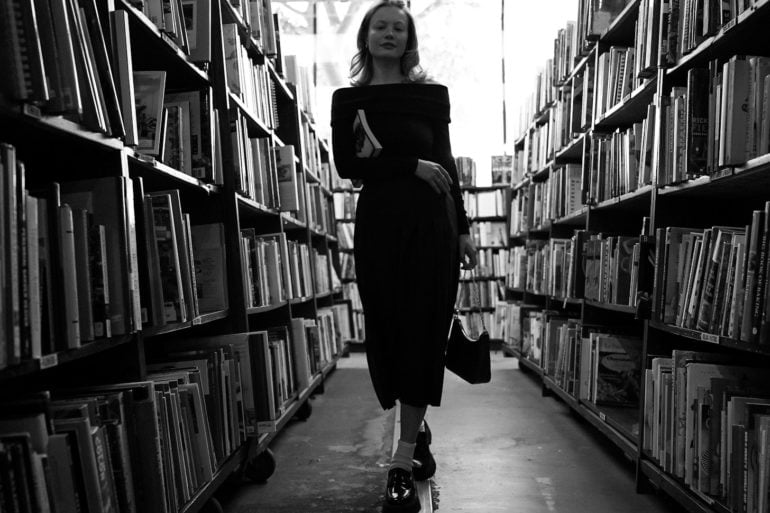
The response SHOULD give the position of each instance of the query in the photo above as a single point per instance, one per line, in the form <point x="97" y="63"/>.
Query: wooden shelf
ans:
<point x="225" y="470"/>
<point x="257" y="127"/>
<point x="622" y="30"/>
<point x="88" y="349"/>
<point x="572" y="153"/>
<point x="666" y="483"/>
<point x="610" y="307"/>
<point x="210" y="317"/>
<point x="637" y="199"/>
<point x="710" y="338"/>
<point x="485" y="188"/>
<point x="281" y="85"/>
<point x="486" y="219"/>
<point x="529" y="365"/>
<point x="577" y="218"/>
<point x="164" y="54"/>
<point x="746" y="35"/>
<point x="749" y="180"/>
<point x="27" y="122"/>
<point x="292" y="223"/>
<point x="264" y="439"/>
<point x="250" y="206"/>
<point x="153" y="169"/>
<point x="264" y="309"/>
<point x="629" y="111"/>
<point x="551" y="385"/>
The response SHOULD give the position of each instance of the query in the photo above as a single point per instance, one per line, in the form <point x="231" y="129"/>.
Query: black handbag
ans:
<point x="465" y="356"/>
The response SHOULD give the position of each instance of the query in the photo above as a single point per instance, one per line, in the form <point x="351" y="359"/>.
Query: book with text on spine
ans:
<point x="367" y="145"/>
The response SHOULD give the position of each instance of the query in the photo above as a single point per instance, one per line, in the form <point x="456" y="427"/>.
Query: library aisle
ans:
<point x="499" y="447"/>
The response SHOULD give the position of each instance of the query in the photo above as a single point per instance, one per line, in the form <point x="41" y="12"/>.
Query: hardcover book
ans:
<point x="367" y="144"/>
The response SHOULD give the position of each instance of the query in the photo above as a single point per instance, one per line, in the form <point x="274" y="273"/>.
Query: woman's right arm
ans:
<point x="387" y="165"/>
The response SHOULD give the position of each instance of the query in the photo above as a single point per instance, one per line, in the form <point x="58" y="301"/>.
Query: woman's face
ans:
<point x="388" y="33"/>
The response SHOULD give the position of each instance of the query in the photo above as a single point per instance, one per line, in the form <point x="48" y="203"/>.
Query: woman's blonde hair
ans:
<point x="361" y="69"/>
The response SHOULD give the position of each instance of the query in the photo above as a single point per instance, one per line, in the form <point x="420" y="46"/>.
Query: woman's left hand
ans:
<point x="467" y="252"/>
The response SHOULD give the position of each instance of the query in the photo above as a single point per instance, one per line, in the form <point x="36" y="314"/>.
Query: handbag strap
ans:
<point x="477" y="297"/>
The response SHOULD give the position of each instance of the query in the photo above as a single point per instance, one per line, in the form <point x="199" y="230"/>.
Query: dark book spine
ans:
<point x="761" y="277"/>
<point x="104" y="471"/>
<point x="697" y="121"/>
<point x="25" y="325"/>
<point x="658" y="287"/>
<point x="752" y="262"/>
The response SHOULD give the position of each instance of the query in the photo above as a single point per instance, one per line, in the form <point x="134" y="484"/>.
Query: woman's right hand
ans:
<point x="436" y="176"/>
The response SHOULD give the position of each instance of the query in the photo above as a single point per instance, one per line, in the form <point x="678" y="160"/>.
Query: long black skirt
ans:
<point x="407" y="269"/>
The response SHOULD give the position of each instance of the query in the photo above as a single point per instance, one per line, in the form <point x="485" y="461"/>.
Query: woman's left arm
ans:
<point x="443" y="154"/>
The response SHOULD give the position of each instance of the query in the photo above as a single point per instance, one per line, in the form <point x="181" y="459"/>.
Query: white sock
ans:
<point x="403" y="456"/>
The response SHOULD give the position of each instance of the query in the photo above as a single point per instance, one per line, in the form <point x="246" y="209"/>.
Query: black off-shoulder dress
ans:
<point x="406" y="235"/>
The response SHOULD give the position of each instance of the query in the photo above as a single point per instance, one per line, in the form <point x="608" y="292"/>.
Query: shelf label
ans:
<point x="730" y="24"/>
<point x="49" y="360"/>
<point x="145" y="158"/>
<point x="709" y="337"/>
<point x="602" y="417"/>
<point x="31" y="110"/>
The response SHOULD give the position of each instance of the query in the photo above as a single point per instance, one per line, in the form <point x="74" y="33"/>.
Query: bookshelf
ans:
<point x="169" y="249"/>
<point x="345" y="195"/>
<point x="486" y="209"/>
<point x="652" y="188"/>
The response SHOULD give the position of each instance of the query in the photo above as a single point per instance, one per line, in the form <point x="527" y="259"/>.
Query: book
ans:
<point x="367" y="144"/>
<point x="149" y="90"/>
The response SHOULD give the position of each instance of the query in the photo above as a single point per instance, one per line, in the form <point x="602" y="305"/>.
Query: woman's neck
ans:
<point x="387" y="72"/>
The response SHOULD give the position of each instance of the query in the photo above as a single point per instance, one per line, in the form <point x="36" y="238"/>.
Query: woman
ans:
<point x="411" y="231"/>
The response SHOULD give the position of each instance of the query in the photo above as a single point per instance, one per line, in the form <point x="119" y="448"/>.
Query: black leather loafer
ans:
<point x="425" y="464"/>
<point x="400" y="494"/>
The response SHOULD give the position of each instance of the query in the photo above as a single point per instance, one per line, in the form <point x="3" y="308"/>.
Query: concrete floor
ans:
<point x="500" y="447"/>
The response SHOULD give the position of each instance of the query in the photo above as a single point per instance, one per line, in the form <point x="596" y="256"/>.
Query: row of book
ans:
<point x="319" y="209"/>
<point x="492" y="203"/>
<point x="277" y="269"/>
<point x="175" y="127"/>
<point x="345" y="205"/>
<point x="611" y="267"/>
<point x="539" y="147"/>
<point x="715" y="280"/>
<point x="345" y="235"/>
<point x="184" y="264"/>
<point x="720" y="119"/>
<point x="57" y="56"/>
<point x="479" y="294"/>
<point x="688" y="24"/>
<point x="527" y="268"/>
<point x="147" y="445"/>
<point x="249" y="80"/>
<point x="558" y="196"/>
<point x="262" y="23"/>
<point x="70" y="262"/>
<point x="347" y="267"/>
<point x="595" y="17"/>
<point x="503" y="170"/>
<point x="489" y="233"/>
<point x="619" y="162"/>
<point x="597" y="267"/>
<point x="466" y="171"/>
<point x="490" y="263"/>
<point x="615" y="78"/>
<point x="706" y="422"/>
<point x="601" y="368"/>
<point x="565" y="52"/>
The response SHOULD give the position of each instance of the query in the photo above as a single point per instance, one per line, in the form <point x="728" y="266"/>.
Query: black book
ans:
<point x="697" y="121"/>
